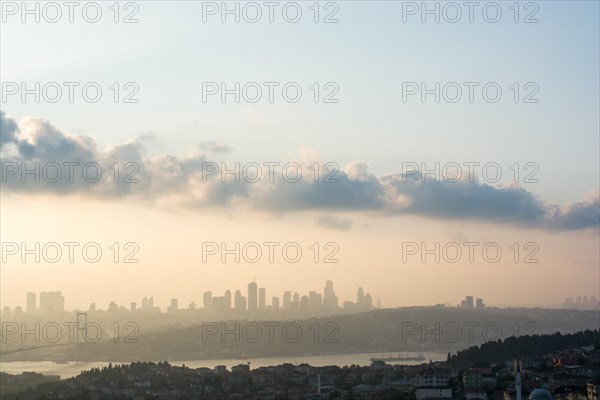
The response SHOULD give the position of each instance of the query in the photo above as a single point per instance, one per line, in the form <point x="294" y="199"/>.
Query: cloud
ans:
<point x="194" y="182"/>
<point x="579" y="215"/>
<point x="213" y="146"/>
<point x="332" y="222"/>
<point x="8" y="129"/>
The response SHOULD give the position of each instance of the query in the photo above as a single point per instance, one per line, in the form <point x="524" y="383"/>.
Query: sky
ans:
<point x="368" y="132"/>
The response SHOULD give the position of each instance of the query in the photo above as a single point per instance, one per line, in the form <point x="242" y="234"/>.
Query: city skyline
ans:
<point x="378" y="159"/>
<point x="346" y="182"/>
<point x="290" y="301"/>
<point x="54" y="302"/>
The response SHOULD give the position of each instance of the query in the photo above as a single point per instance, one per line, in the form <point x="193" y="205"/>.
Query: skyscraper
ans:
<point x="469" y="302"/>
<point x="304" y="303"/>
<point x="227" y="300"/>
<point x="330" y="300"/>
<point x="287" y="299"/>
<point x="52" y="302"/>
<point x="252" y="297"/>
<point x="479" y="304"/>
<point x="262" y="298"/>
<point x="207" y="301"/>
<point x="315" y="301"/>
<point x="360" y="295"/>
<point x="239" y="302"/>
<point x="174" y="305"/>
<point x="367" y="302"/>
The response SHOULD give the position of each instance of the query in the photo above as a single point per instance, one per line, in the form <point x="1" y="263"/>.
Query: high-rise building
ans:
<point x="315" y="301"/>
<point x="367" y="302"/>
<point x="262" y="298"/>
<point x="252" y="297"/>
<point x="239" y="302"/>
<point x="360" y="296"/>
<point x="330" y="300"/>
<point x="479" y="304"/>
<point x="151" y="303"/>
<point x="304" y="303"/>
<point x="207" y="301"/>
<point x="227" y="300"/>
<point x="287" y="299"/>
<point x="145" y="304"/>
<point x="52" y="302"/>
<point x="469" y="302"/>
<point x="133" y="307"/>
<point x="174" y="305"/>
<point x="31" y="303"/>
<point x="275" y="303"/>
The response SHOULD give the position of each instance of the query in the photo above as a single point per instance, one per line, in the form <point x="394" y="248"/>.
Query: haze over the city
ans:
<point x="546" y="227"/>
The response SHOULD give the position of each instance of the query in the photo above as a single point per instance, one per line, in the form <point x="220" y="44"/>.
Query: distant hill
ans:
<point x="408" y="329"/>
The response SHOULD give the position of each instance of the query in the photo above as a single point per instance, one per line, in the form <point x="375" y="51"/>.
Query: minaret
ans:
<point x="518" y="379"/>
<point x="319" y="383"/>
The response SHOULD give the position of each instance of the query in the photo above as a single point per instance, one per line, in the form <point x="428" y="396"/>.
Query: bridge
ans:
<point x="18" y="347"/>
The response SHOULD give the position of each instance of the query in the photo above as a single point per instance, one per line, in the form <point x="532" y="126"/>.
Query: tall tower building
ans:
<point x="31" y="303"/>
<point x="252" y="297"/>
<point x="304" y="303"/>
<point x="295" y="304"/>
<point x="207" y="301"/>
<point x="469" y="302"/>
<point x="52" y="302"/>
<point x="315" y="301"/>
<point x="368" y="302"/>
<point x="262" y="298"/>
<point x="239" y="302"/>
<point x="174" y="305"/>
<point x="360" y="296"/>
<point x="227" y="300"/>
<point x="479" y="304"/>
<point x="287" y="299"/>
<point x="330" y="300"/>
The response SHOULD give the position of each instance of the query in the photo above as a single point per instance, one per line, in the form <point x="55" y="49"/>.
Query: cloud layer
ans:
<point x="194" y="183"/>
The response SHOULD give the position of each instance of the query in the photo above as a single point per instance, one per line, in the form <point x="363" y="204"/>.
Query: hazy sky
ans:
<point x="370" y="133"/>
